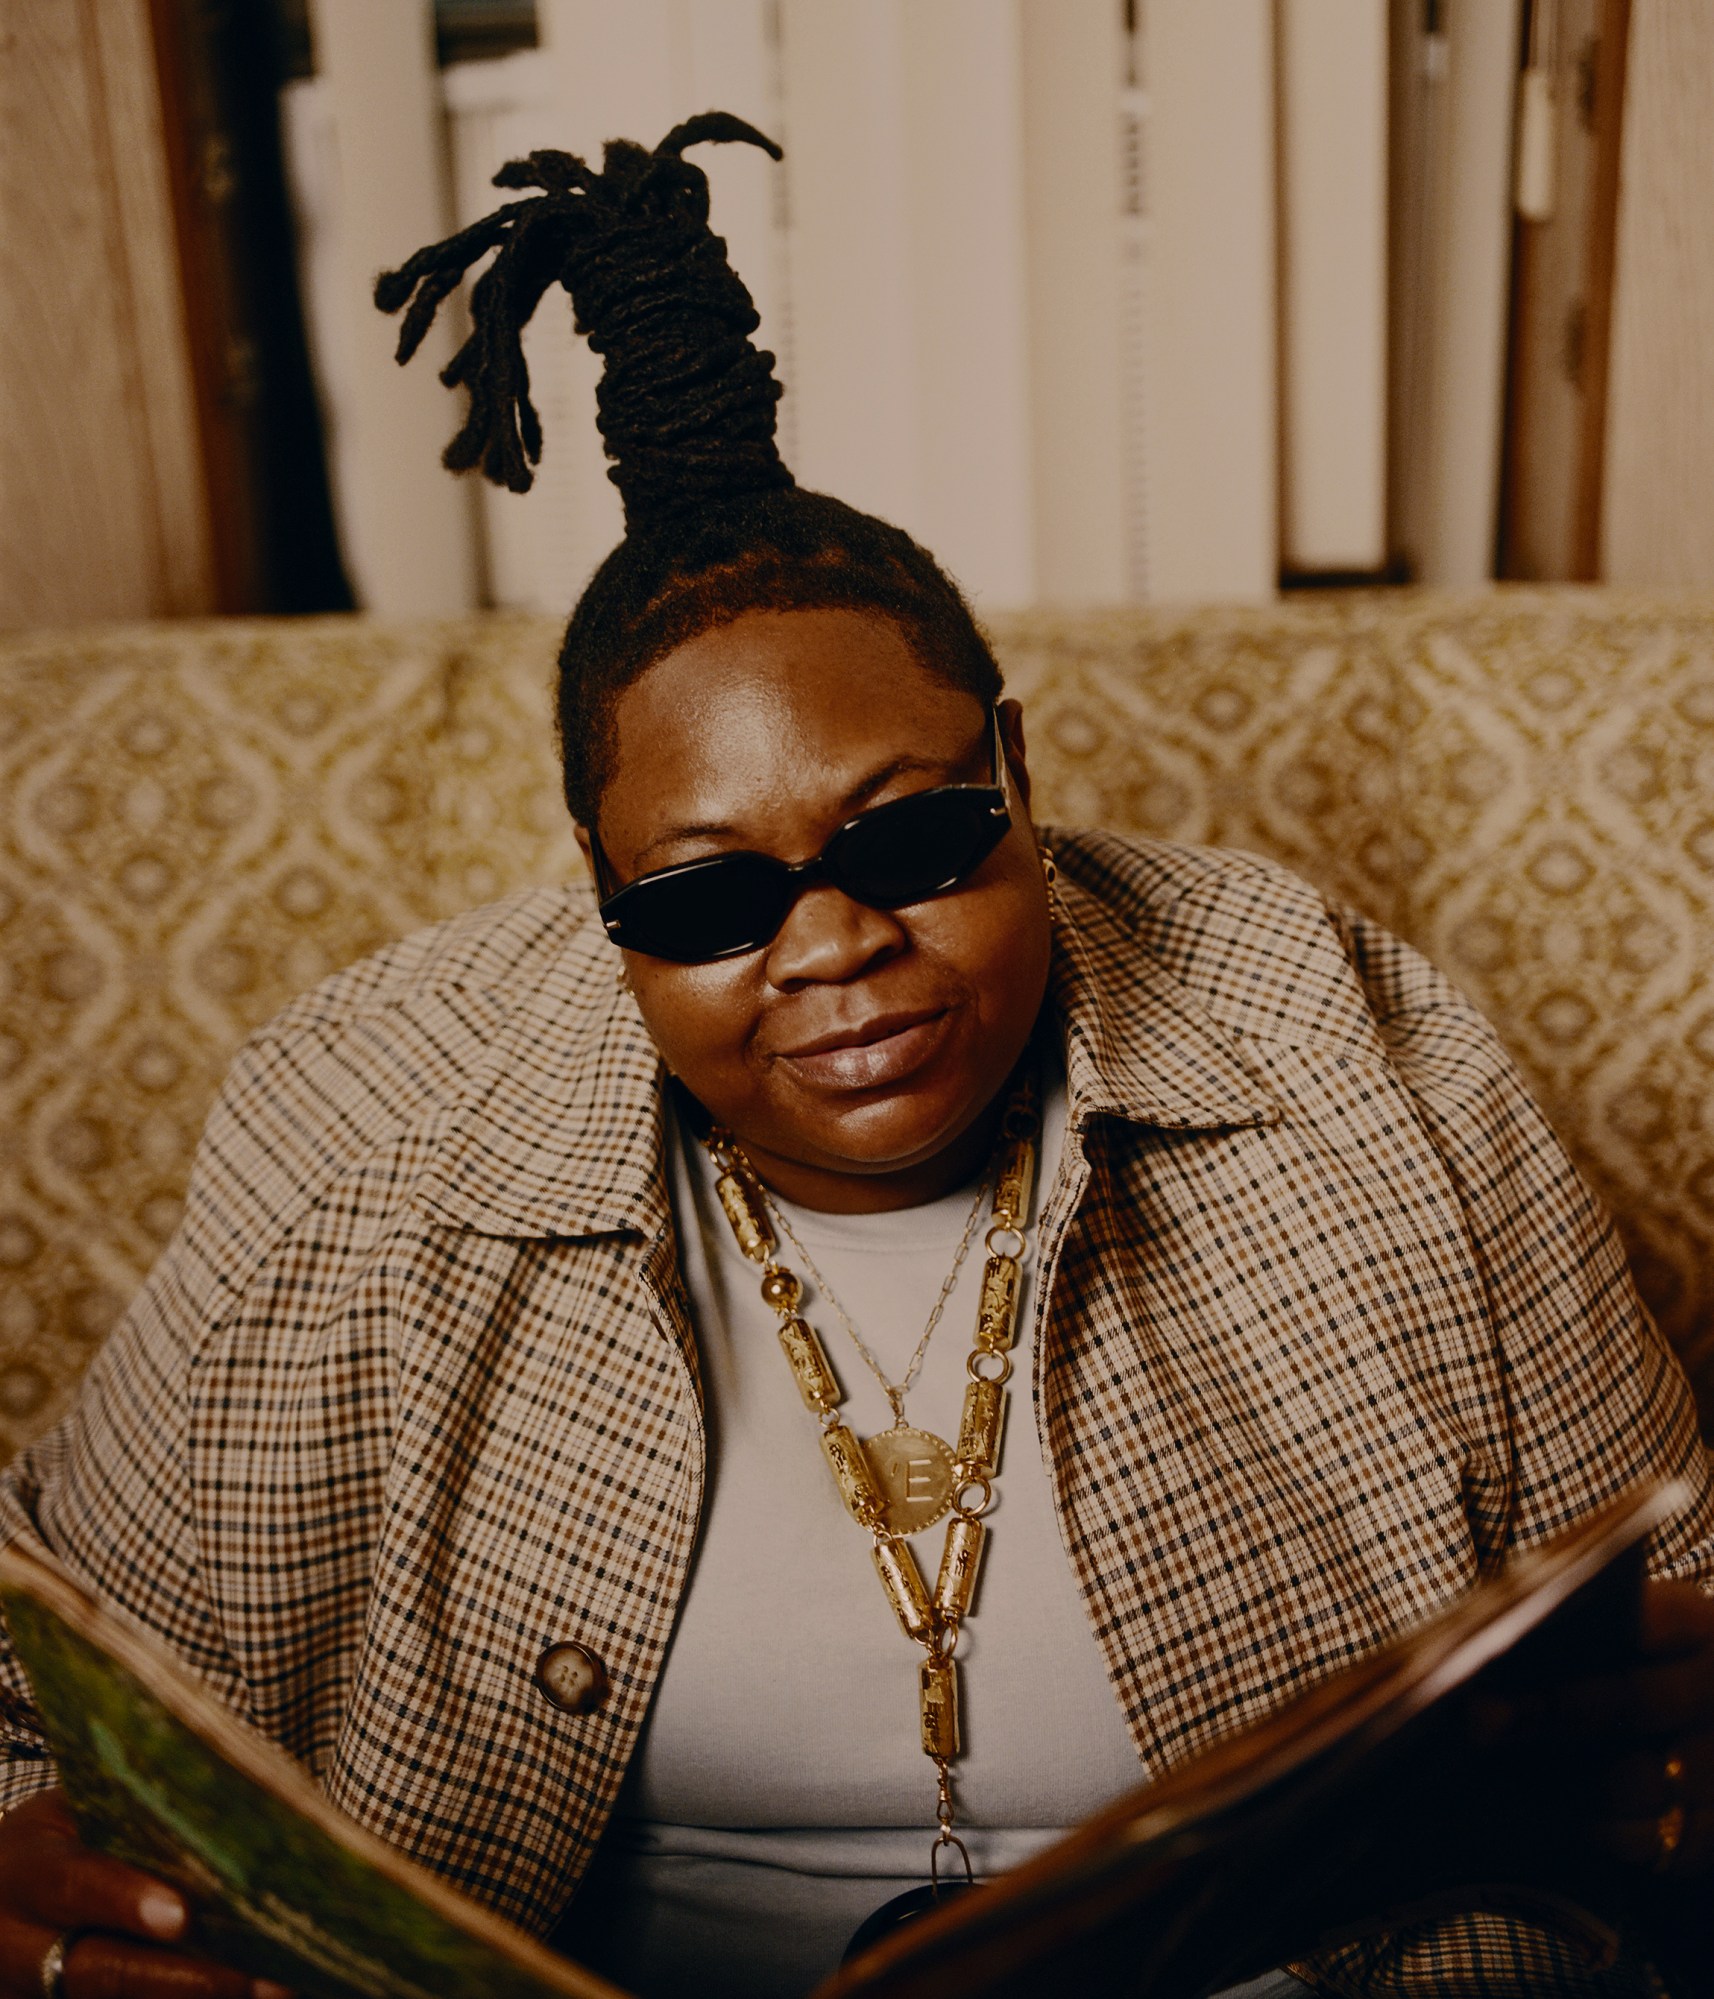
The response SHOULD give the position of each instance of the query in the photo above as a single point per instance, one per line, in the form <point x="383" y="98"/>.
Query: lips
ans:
<point x="869" y="1054"/>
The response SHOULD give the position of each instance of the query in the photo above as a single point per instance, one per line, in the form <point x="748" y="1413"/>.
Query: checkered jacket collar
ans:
<point x="570" y="1075"/>
<point x="1137" y="1046"/>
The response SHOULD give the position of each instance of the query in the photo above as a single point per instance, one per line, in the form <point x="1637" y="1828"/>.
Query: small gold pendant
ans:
<point x="913" y="1468"/>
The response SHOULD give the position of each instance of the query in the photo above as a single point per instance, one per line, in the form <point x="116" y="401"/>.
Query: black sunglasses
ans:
<point x="902" y="852"/>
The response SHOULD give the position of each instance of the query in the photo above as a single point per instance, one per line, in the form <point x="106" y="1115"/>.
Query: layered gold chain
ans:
<point x="929" y="1620"/>
<point x="895" y="1391"/>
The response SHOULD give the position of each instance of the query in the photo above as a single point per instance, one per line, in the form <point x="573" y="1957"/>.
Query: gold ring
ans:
<point x="1669" y="1827"/>
<point x="1668" y="1837"/>
<point x="53" y="1964"/>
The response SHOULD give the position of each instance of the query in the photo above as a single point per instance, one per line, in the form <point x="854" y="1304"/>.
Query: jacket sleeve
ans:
<point x="108" y="1491"/>
<point x="107" y="1494"/>
<point x="1598" y="1401"/>
<point x="112" y="1492"/>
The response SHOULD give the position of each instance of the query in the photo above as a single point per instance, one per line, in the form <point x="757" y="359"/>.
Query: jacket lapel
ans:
<point x="546" y="1474"/>
<point x="1255" y="1379"/>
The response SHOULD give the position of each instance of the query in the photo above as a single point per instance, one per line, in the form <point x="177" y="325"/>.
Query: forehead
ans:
<point x="790" y="704"/>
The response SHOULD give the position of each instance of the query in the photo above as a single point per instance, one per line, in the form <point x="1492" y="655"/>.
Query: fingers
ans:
<point x="1650" y="1805"/>
<point x="1626" y="1758"/>
<point x="72" y="1888"/>
<point x="1654" y="1808"/>
<point x="109" y="1967"/>
<point x="1650" y="1701"/>
<point x="47" y="1876"/>
<point x="1677" y="1617"/>
<point x="1671" y="1689"/>
<point x="115" y="1922"/>
<point x="1679" y="1846"/>
<point x="104" y="1967"/>
<point x="1647" y="1782"/>
<point x="1676" y="1838"/>
<point x="1668" y="1692"/>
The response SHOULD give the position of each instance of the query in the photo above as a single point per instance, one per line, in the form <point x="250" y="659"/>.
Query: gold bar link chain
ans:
<point x="931" y="1621"/>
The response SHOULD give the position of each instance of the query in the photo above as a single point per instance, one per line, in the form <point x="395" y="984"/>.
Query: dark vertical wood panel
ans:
<point x="101" y="507"/>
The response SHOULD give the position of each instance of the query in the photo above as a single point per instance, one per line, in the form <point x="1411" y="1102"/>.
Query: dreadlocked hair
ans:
<point x="715" y="525"/>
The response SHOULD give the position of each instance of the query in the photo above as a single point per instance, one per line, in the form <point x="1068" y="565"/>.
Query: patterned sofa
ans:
<point x="198" y="820"/>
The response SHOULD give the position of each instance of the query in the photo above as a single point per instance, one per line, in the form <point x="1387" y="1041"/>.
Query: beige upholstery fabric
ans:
<point x="198" y="820"/>
<point x="1521" y="784"/>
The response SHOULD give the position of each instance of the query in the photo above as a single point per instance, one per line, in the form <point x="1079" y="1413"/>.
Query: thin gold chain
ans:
<point x="895" y="1391"/>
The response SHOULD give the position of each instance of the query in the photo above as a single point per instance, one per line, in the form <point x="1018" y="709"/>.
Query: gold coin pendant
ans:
<point x="914" y="1471"/>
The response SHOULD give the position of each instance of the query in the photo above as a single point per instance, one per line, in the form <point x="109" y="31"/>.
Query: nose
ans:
<point x="827" y="939"/>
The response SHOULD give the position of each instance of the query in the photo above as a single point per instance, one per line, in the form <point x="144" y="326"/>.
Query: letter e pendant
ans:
<point x="914" y="1470"/>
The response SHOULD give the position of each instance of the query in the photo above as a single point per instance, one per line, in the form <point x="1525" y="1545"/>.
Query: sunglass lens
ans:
<point x="712" y="909"/>
<point x="917" y="846"/>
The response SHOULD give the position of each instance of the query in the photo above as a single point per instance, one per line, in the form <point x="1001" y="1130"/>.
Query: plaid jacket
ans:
<point x="1331" y="1326"/>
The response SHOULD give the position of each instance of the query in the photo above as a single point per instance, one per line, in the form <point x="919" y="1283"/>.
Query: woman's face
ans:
<point x="859" y="1055"/>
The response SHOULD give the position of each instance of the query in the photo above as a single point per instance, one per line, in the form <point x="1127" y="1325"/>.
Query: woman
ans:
<point x="471" y="1438"/>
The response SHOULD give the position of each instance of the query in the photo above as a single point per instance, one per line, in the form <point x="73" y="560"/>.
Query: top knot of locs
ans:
<point x="687" y="401"/>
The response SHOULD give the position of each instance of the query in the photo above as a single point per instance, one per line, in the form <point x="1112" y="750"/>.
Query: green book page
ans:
<point x="284" y="1887"/>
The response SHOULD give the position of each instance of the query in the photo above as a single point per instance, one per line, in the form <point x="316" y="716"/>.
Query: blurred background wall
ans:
<point x="1107" y="300"/>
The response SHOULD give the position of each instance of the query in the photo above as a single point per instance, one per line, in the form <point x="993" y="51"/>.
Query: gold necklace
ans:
<point x="870" y="1482"/>
<point x="914" y="1466"/>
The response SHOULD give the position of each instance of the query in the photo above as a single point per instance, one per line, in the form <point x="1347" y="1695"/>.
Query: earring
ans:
<point x="1050" y="873"/>
<point x="622" y="976"/>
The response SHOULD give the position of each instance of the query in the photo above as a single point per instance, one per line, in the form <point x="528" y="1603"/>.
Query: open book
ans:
<point x="1358" y="1804"/>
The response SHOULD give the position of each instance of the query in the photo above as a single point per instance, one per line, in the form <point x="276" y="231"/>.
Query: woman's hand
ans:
<point x="1649" y="1732"/>
<point x="1630" y="1754"/>
<point x="123" y="1924"/>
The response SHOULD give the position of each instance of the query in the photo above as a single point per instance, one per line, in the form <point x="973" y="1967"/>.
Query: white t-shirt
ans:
<point x="780" y="1793"/>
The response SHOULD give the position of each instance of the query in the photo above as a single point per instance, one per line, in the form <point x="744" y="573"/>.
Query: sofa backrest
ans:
<point x="198" y="820"/>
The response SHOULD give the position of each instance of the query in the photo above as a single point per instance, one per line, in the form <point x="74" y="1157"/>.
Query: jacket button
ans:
<point x="572" y="1678"/>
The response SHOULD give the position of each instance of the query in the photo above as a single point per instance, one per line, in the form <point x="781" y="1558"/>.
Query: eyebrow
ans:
<point x="851" y="803"/>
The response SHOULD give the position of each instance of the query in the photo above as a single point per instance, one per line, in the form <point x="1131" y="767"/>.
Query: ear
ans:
<point x="1012" y="735"/>
<point x="581" y="834"/>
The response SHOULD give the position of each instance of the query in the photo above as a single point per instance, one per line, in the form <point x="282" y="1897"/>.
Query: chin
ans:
<point x="894" y="1131"/>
